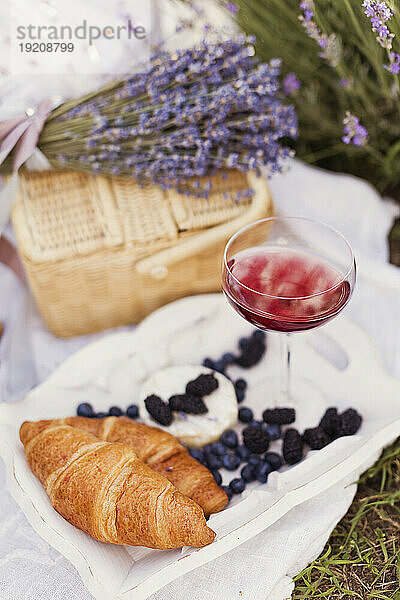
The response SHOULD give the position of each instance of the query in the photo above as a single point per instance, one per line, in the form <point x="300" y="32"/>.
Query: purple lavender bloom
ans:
<point x="328" y="43"/>
<point x="232" y="7"/>
<point x="354" y="132"/>
<point x="394" y="66"/>
<point x="379" y="13"/>
<point x="290" y="84"/>
<point x="188" y="114"/>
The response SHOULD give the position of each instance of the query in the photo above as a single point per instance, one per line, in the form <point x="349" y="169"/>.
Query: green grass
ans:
<point x="362" y="557"/>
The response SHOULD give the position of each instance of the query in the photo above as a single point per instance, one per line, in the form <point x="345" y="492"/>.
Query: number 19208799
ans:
<point x="46" y="47"/>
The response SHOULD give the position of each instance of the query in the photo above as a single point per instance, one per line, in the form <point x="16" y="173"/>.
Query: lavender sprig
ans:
<point x="379" y="14"/>
<point x="354" y="132"/>
<point x="330" y="48"/>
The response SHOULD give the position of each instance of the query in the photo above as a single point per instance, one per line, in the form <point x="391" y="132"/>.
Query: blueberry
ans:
<point x="227" y="491"/>
<point x="85" y="410"/>
<point x="247" y="473"/>
<point x="274" y="460"/>
<point x="263" y="471"/>
<point x="240" y="384"/>
<point x="197" y="454"/>
<point x="243" y="342"/>
<point x="259" y="335"/>
<point x="218" y="449"/>
<point x="115" y="411"/>
<point x="217" y="476"/>
<point x="101" y="415"/>
<point x="237" y="485"/>
<point x="228" y="358"/>
<point x="274" y="431"/>
<point x="132" y="411"/>
<point x="231" y="462"/>
<point x="209" y="363"/>
<point x="242" y="452"/>
<point x="245" y="415"/>
<point x="219" y="366"/>
<point x="229" y="438"/>
<point x="214" y="462"/>
<point x="240" y="395"/>
<point x="255" y="461"/>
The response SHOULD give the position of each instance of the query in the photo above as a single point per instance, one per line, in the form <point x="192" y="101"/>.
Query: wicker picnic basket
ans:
<point x="101" y="252"/>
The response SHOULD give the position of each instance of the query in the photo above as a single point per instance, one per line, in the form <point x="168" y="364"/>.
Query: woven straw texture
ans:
<point x="100" y="252"/>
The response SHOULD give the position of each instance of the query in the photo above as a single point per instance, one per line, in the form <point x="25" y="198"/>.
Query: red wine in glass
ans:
<point x="288" y="274"/>
<point x="284" y="289"/>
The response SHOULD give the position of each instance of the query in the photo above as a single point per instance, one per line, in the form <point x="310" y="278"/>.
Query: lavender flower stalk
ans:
<point x="187" y="114"/>
<point x="354" y="132"/>
<point x="330" y="49"/>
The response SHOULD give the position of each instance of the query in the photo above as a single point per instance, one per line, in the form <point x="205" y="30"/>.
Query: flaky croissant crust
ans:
<point x="159" y="450"/>
<point x="105" y="490"/>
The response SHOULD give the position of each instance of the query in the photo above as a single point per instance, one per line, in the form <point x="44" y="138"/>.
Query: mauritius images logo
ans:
<point x="83" y="31"/>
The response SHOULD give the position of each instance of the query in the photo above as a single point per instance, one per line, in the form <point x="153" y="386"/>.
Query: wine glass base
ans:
<point x="306" y="398"/>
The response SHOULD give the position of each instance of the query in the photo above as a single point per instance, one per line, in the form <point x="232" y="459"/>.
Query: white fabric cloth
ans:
<point x="261" y="568"/>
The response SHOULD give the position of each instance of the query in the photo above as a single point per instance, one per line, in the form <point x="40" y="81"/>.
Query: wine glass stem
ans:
<point x="285" y="396"/>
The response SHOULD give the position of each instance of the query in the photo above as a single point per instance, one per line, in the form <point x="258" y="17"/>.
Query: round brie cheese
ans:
<point x="193" y="430"/>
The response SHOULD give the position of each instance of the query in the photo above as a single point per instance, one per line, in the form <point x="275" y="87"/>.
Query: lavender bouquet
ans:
<point x="186" y="114"/>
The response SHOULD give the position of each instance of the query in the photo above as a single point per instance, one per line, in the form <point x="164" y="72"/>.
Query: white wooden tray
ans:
<point x="339" y="358"/>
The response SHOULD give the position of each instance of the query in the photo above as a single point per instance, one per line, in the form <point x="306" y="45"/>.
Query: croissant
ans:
<point x="162" y="452"/>
<point x="105" y="490"/>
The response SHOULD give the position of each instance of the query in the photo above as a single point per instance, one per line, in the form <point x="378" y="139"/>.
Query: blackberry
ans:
<point x="292" y="448"/>
<point x="203" y="385"/>
<point x="349" y="422"/>
<point x="252" y="352"/>
<point x="176" y="401"/>
<point x="316" y="438"/>
<point x="330" y="422"/>
<point x="279" y="416"/>
<point x="159" y="411"/>
<point x="193" y="405"/>
<point x="255" y="439"/>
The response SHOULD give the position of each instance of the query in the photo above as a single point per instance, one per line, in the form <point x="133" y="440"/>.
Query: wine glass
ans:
<point x="288" y="274"/>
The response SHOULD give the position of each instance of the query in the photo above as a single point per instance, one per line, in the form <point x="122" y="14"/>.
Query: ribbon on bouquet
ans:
<point x="19" y="135"/>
